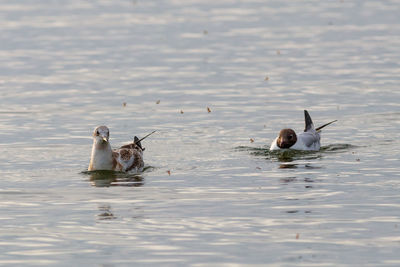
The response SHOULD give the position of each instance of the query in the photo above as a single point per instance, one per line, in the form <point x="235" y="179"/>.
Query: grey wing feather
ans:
<point x="309" y="138"/>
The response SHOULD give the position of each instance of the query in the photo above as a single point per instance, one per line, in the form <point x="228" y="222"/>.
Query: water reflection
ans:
<point x="308" y="180"/>
<point x="292" y="211"/>
<point x="106" y="213"/>
<point x="287" y="180"/>
<point x="112" y="178"/>
<point x="337" y="148"/>
<point x="287" y="166"/>
<point x="286" y="156"/>
<point x="293" y="155"/>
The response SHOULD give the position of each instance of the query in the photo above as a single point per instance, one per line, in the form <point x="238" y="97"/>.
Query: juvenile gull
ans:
<point x="307" y="140"/>
<point x="126" y="158"/>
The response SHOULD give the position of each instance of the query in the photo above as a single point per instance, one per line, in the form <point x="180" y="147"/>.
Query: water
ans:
<point x="209" y="196"/>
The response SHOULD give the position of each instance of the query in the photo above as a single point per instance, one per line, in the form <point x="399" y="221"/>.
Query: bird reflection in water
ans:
<point x="112" y="178"/>
<point x="287" y="166"/>
<point x="105" y="213"/>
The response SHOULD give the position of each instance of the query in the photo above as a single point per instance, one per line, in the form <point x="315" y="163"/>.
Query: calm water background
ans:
<point x="68" y="66"/>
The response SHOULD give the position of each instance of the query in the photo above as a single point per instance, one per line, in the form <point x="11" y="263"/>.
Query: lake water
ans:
<point x="209" y="196"/>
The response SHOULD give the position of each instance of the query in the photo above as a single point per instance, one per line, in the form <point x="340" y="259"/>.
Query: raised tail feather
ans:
<point x="326" y="124"/>
<point x="136" y="140"/>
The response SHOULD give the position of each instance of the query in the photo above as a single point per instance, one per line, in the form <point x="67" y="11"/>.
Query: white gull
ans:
<point x="307" y="140"/>
<point x="126" y="158"/>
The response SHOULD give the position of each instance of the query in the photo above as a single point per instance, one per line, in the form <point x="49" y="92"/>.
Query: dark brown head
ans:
<point x="287" y="138"/>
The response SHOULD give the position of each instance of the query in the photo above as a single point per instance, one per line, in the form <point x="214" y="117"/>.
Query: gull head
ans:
<point x="287" y="138"/>
<point x="101" y="134"/>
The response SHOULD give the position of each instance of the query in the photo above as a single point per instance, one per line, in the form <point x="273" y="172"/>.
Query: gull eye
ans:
<point x="290" y="137"/>
<point x="97" y="133"/>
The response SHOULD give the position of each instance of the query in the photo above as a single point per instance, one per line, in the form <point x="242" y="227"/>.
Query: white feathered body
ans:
<point x="309" y="140"/>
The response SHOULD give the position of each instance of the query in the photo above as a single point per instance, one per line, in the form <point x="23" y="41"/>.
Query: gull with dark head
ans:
<point x="307" y="140"/>
<point x="126" y="158"/>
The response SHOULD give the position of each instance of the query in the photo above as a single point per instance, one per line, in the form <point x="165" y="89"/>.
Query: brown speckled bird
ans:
<point x="126" y="158"/>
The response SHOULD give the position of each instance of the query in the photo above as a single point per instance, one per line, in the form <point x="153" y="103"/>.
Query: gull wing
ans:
<point x="127" y="158"/>
<point x="308" y="121"/>
<point x="309" y="138"/>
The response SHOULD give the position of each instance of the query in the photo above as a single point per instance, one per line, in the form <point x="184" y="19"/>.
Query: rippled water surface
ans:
<point x="212" y="193"/>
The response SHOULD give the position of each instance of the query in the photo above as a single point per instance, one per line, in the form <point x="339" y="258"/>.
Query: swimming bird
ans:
<point x="307" y="140"/>
<point x="126" y="158"/>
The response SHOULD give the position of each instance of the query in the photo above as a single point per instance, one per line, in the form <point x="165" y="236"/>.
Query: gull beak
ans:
<point x="105" y="139"/>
